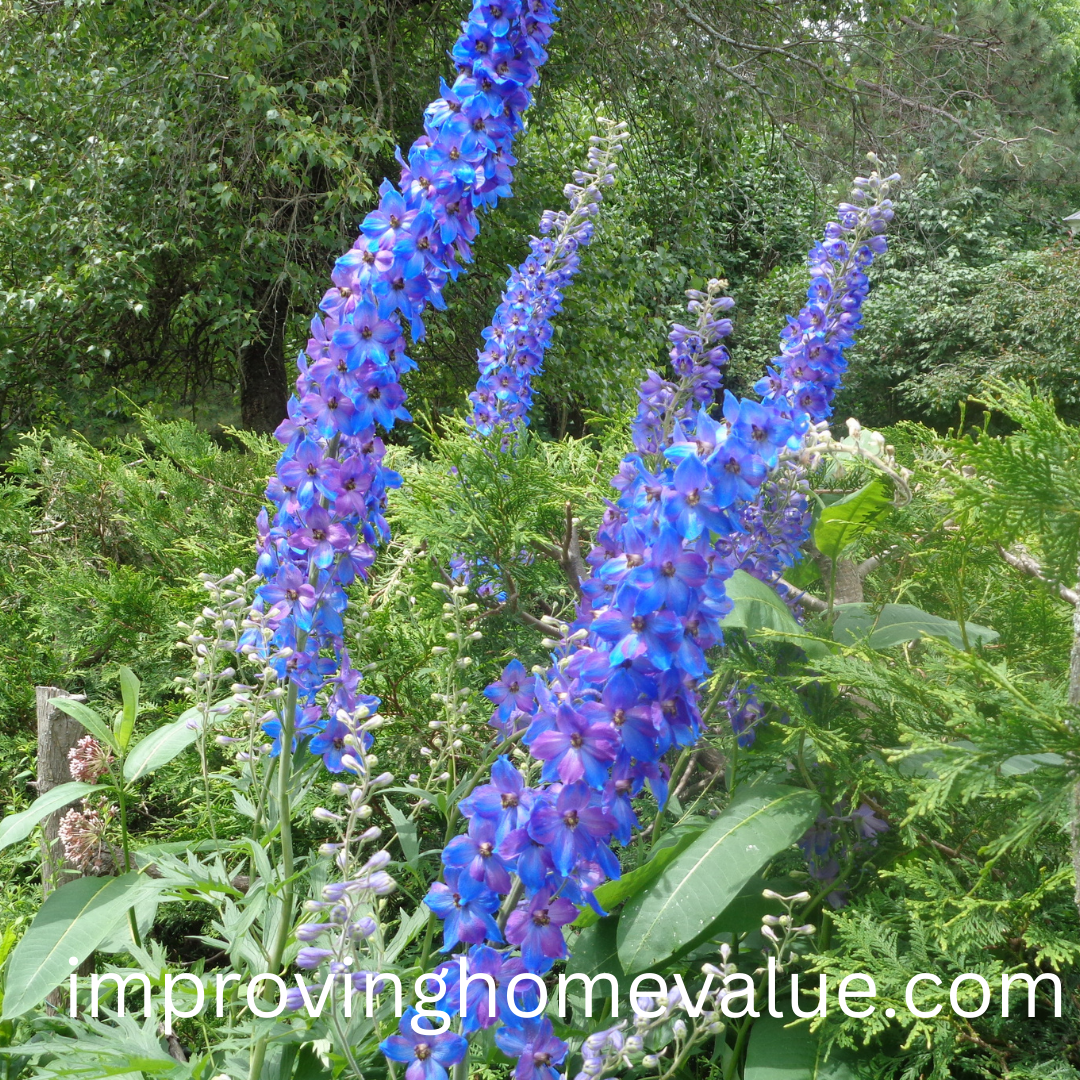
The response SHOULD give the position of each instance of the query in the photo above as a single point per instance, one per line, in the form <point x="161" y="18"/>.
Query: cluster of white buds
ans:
<point x="780" y="931"/>
<point x="623" y="1047"/>
<point x="859" y="447"/>
<point x="348" y="925"/>
<point x="454" y="725"/>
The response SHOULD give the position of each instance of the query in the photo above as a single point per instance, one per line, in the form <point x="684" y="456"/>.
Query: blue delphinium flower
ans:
<point x="699" y="497"/>
<point x="429" y="1055"/>
<point x="521" y="330"/>
<point x="330" y="485"/>
<point x="537" y="1049"/>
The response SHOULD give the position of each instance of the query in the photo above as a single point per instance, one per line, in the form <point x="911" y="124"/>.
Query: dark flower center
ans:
<point x="513" y="687"/>
<point x="345" y="293"/>
<point x="668" y="569"/>
<point x="733" y="467"/>
<point x="422" y="1051"/>
<point x="541" y="918"/>
<point x="618" y="718"/>
<point x="509" y="801"/>
<point x="576" y="740"/>
<point x="637" y="623"/>
<point x="366" y="333"/>
<point x="292" y="594"/>
<point x="319" y="534"/>
<point x="571" y="819"/>
<point x="634" y="559"/>
<point x="693" y="498"/>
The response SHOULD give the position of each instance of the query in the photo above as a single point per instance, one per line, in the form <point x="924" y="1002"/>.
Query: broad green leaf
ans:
<point x="743" y="914"/>
<point x="119" y="938"/>
<point x="125" y="722"/>
<point x="162" y="745"/>
<point x="613" y="893"/>
<point x="757" y="606"/>
<point x="596" y="949"/>
<point x="72" y="922"/>
<point x="682" y="906"/>
<point x="838" y="526"/>
<point x="776" y="1052"/>
<point x="896" y="624"/>
<point x="16" y="827"/>
<point x="89" y="719"/>
<point x="406" y="834"/>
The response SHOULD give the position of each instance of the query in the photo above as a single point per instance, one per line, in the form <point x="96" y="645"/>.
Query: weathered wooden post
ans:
<point x="57" y="733"/>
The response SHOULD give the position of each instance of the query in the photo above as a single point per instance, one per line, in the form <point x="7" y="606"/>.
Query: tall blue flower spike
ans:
<point x="330" y="485"/>
<point x="698" y="497"/>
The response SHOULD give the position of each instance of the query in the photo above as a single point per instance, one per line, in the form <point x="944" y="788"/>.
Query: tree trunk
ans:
<point x="844" y="578"/>
<point x="57" y="733"/>
<point x="263" y="383"/>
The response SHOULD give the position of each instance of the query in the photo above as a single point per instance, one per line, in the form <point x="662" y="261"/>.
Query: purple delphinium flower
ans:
<point x="536" y="1047"/>
<point x="465" y="906"/>
<point x="536" y="927"/>
<point x="429" y="1055"/>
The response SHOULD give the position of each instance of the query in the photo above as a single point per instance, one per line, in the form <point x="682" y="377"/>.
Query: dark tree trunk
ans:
<point x="263" y="383"/>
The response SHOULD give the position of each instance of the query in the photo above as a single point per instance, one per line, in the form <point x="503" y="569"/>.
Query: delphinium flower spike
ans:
<point x="521" y="330"/>
<point x="621" y="691"/>
<point x="330" y="484"/>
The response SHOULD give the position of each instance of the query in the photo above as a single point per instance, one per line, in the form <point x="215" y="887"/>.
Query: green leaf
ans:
<point x="163" y="744"/>
<point x="72" y="922"/>
<point x="596" y="949"/>
<point x="406" y="834"/>
<point x="89" y="719"/>
<point x="16" y="827"/>
<point x="896" y="624"/>
<point x="125" y="722"/>
<point x="757" y="606"/>
<point x="776" y="1052"/>
<point x="1019" y="764"/>
<point x="838" y="526"/>
<point x="613" y="893"/>
<point x="682" y="906"/>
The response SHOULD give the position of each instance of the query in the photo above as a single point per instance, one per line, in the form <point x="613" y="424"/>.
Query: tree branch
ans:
<point x="1022" y="561"/>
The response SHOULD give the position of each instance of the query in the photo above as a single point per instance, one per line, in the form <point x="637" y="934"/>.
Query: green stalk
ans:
<point x="284" y="777"/>
<point x="125" y="844"/>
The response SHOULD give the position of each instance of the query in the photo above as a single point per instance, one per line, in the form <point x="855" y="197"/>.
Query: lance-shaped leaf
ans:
<point x="683" y="905"/>
<point x="613" y="893"/>
<point x="16" y="827"/>
<point x="70" y="925"/>
<point x="168" y="741"/>
<point x="89" y="720"/>
<point x="896" y="624"/>
<point x="125" y="721"/>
